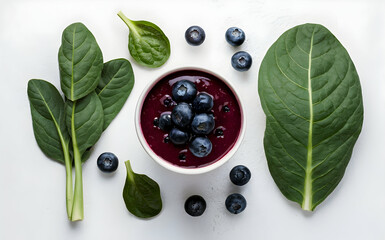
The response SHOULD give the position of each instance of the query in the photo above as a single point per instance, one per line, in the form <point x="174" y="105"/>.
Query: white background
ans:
<point x="32" y="187"/>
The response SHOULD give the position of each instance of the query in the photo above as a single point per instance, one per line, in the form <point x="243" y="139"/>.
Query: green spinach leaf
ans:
<point x="48" y="118"/>
<point x="141" y="194"/>
<point x="80" y="62"/>
<point x="114" y="87"/>
<point x="84" y="118"/>
<point x="311" y="95"/>
<point x="148" y="45"/>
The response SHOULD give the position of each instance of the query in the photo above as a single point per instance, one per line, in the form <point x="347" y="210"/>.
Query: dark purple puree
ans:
<point x="226" y="112"/>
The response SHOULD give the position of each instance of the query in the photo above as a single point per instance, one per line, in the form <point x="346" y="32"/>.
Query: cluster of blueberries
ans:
<point x="241" y="61"/>
<point x="190" y="117"/>
<point x="235" y="203"/>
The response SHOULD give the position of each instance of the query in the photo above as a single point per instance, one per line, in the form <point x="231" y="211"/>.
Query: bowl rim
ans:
<point x="167" y="164"/>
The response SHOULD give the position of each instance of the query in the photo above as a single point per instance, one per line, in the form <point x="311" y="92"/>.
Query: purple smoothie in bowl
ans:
<point x="227" y="111"/>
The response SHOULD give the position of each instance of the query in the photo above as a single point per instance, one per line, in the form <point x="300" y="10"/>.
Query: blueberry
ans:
<point x="178" y="137"/>
<point x="182" y="115"/>
<point x="107" y="162"/>
<point x="240" y="175"/>
<point x="165" y="122"/>
<point x="202" y="124"/>
<point x="167" y="102"/>
<point x="166" y="139"/>
<point x="182" y="156"/>
<point x="218" y="132"/>
<point x="235" y="203"/>
<point x="156" y="122"/>
<point x="184" y="91"/>
<point x="195" y="35"/>
<point x="241" y="61"/>
<point x="195" y="205"/>
<point x="226" y="108"/>
<point x="200" y="146"/>
<point x="203" y="103"/>
<point x="235" y="36"/>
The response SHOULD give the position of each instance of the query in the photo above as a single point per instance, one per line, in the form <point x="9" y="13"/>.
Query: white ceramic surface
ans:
<point x="169" y="165"/>
<point x="32" y="196"/>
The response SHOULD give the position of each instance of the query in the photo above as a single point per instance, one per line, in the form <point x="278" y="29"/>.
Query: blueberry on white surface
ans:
<point x="241" y="61"/>
<point x="235" y="203"/>
<point x="107" y="162"/>
<point x="195" y="35"/>
<point x="235" y="36"/>
<point x="195" y="205"/>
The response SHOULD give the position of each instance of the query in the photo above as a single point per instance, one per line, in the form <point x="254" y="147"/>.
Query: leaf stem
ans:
<point x="307" y="203"/>
<point x="69" y="186"/>
<point x="128" y="22"/>
<point x="77" y="208"/>
<point x="130" y="173"/>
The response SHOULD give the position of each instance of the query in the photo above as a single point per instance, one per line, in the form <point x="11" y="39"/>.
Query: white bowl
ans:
<point x="169" y="165"/>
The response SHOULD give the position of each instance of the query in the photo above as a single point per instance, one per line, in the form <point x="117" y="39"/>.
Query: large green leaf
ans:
<point x="311" y="95"/>
<point x="80" y="62"/>
<point x="84" y="118"/>
<point x="114" y="87"/>
<point x="48" y="118"/>
<point x="147" y="43"/>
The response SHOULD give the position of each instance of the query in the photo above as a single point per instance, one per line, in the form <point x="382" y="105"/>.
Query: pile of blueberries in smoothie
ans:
<point x="191" y="116"/>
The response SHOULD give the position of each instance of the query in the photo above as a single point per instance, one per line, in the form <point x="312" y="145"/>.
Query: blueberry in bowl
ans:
<point x="200" y="147"/>
<point x="182" y="115"/>
<point x="202" y="124"/>
<point x="164" y="121"/>
<point x="178" y="137"/>
<point x="235" y="36"/>
<point x="203" y="103"/>
<point x="184" y="91"/>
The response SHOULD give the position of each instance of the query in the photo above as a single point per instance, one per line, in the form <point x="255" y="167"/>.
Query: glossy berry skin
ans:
<point x="178" y="137"/>
<point x="202" y="124"/>
<point x="184" y="91"/>
<point x="200" y="146"/>
<point x="235" y="203"/>
<point x="182" y="115"/>
<point x="203" y="103"/>
<point x="240" y="175"/>
<point x="195" y="35"/>
<point x="241" y="61"/>
<point x="235" y="36"/>
<point x="195" y="205"/>
<point x="165" y="122"/>
<point x="107" y="162"/>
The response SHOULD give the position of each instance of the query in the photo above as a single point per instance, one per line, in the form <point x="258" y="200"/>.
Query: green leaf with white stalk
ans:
<point x="48" y="118"/>
<point x="311" y="95"/>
